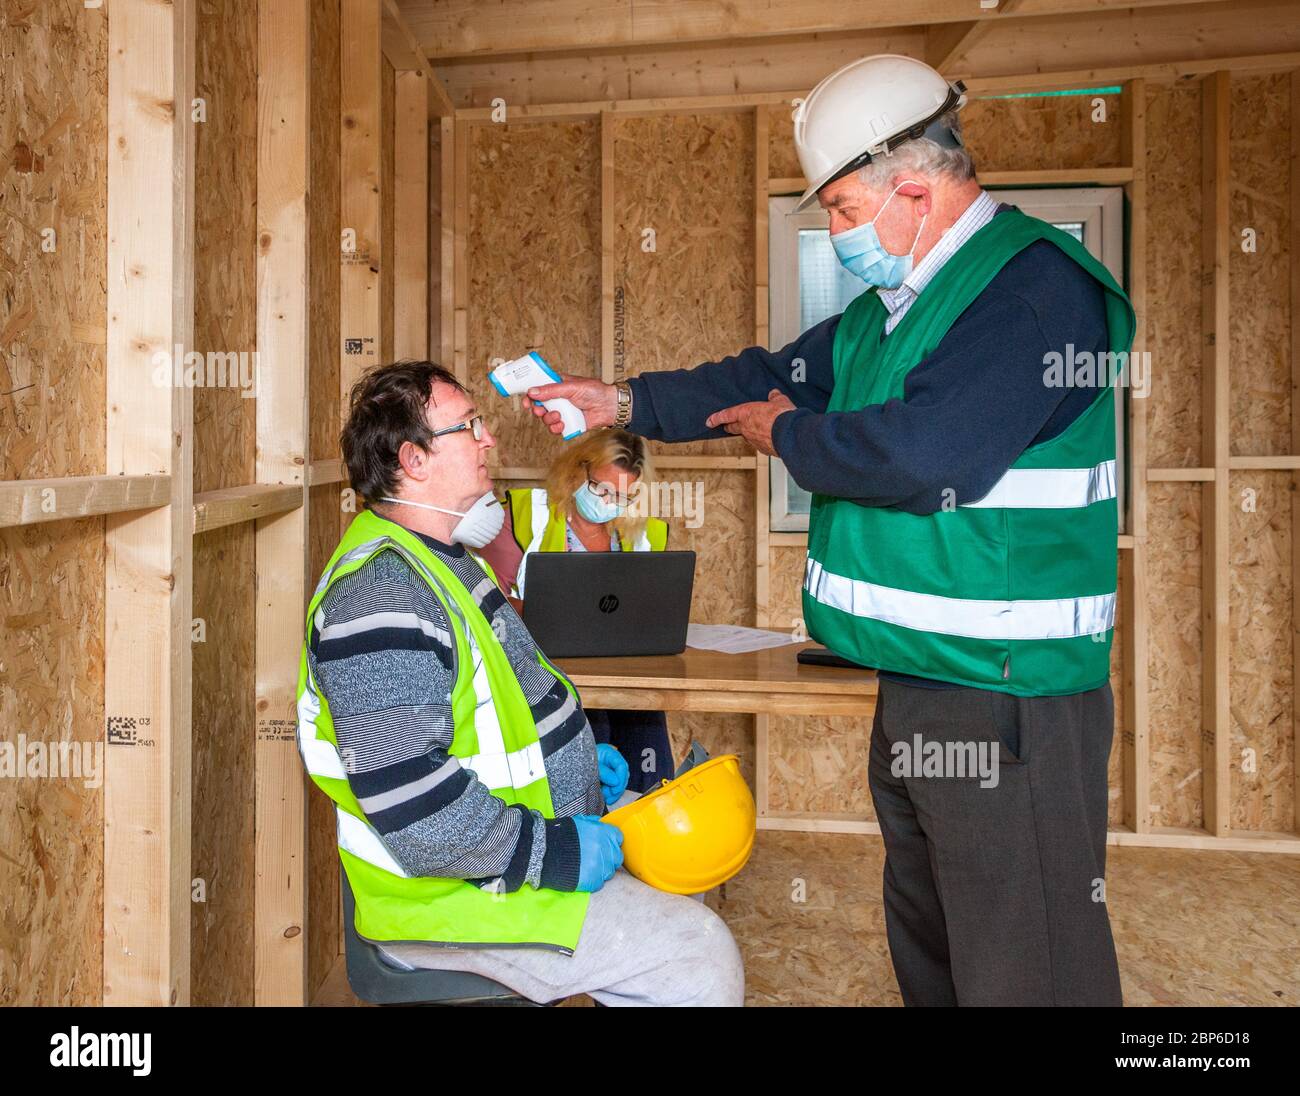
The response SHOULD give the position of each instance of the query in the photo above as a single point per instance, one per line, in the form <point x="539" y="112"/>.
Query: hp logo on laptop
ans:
<point x="608" y="603"/>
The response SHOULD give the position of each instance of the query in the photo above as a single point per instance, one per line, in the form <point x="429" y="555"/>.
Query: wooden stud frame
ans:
<point x="283" y="173"/>
<point x="148" y="559"/>
<point x="1215" y="498"/>
<point x="1135" y="730"/>
<point x="1295" y="427"/>
<point x="361" y="156"/>
<point x="411" y="212"/>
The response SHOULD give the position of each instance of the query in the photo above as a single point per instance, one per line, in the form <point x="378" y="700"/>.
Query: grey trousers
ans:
<point x="639" y="946"/>
<point x="994" y="895"/>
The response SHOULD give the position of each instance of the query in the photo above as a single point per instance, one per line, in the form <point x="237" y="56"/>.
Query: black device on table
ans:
<point x="820" y="656"/>
<point x="581" y="604"/>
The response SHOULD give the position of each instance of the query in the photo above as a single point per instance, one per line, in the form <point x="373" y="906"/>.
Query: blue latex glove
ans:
<point x="601" y="850"/>
<point x="613" y="773"/>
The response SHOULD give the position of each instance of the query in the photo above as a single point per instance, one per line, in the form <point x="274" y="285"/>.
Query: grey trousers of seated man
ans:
<point x="639" y="946"/>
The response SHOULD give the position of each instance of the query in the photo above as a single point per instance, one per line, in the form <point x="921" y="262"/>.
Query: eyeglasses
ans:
<point x="475" y="424"/>
<point x="607" y="494"/>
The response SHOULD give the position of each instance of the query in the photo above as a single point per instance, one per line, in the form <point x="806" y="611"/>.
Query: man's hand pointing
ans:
<point x="754" y="420"/>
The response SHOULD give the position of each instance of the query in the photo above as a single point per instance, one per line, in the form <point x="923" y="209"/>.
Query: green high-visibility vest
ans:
<point x="1013" y="592"/>
<point x="540" y="527"/>
<point x="494" y="734"/>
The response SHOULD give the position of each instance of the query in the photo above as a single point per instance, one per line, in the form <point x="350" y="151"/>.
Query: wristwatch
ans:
<point x="624" y="415"/>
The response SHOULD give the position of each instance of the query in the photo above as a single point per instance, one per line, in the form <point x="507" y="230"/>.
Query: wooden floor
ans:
<point x="1191" y="927"/>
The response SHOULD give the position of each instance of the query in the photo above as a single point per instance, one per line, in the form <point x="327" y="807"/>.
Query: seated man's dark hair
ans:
<point x="387" y="407"/>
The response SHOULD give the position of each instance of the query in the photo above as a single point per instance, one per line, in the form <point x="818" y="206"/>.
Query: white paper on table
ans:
<point x="732" y="639"/>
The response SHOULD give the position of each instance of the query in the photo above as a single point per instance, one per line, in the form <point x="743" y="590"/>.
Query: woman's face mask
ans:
<point x="860" y="251"/>
<point x="594" y="508"/>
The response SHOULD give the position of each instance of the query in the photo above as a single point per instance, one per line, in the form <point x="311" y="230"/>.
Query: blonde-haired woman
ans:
<point x="589" y="505"/>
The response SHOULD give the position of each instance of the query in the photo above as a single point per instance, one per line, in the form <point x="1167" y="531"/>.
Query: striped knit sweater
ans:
<point x="381" y="652"/>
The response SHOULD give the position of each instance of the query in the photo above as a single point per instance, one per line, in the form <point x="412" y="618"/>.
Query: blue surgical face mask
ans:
<point x="860" y="251"/>
<point x="594" y="508"/>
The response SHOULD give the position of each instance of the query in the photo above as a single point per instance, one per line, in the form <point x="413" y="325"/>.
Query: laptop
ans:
<point x="579" y="604"/>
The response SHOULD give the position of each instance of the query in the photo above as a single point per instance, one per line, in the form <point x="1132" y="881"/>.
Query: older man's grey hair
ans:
<point x="921" y="156"/>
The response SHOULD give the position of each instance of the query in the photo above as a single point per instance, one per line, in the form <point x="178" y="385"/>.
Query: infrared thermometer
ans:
<point x="517" y="377"/>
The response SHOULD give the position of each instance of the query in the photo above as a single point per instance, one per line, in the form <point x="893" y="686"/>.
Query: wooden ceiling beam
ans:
<point x="1033" y="53"/>
<point x="405" y="54"/>
<point x="946" y="43"/>
<point x="471" y="28"/>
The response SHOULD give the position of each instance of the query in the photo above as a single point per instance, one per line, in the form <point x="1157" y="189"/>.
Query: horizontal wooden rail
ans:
<point x="1059" y="176"/>
<point x="325" y="471"/>
<point x="976" y="86"/>
<point x="1273" y="464"/>
<point x="793" y="184"/>
<point x="1066" y="176"/>
<point x="28" y="502"/>
<point x="1179" y="475"/>
<point x="232" y="505"/>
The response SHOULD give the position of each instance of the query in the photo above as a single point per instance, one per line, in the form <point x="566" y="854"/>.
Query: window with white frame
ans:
<point x="809" y="285"/>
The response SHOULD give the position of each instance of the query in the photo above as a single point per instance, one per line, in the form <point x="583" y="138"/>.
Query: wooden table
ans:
<point x="763" y="683"/>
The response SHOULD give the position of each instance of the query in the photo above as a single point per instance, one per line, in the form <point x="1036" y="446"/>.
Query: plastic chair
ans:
<point x="375" y="980"/>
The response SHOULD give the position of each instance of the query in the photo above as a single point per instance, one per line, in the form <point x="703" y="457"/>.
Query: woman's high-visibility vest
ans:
<point x="1014" y="591"/>
<point x="494" y="735"/>
<point x="540" y="527"/>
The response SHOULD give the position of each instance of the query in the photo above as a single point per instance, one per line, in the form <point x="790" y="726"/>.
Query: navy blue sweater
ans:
<point x="967" y="413"/>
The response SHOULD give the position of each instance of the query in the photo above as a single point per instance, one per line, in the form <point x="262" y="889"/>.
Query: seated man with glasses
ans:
<point x="460" y="760"/>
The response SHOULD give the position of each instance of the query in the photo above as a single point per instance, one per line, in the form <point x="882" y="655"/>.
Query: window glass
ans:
<point x="825" y="287"/>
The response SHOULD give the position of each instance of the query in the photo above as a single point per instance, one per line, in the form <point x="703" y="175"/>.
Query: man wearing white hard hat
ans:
<point x="963" y="532"/>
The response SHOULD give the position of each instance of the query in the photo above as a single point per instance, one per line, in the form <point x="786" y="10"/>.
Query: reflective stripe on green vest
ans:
<point x="494" y="734"/>
<point x="540" y="527"/>
<point x="1014" y="591"/>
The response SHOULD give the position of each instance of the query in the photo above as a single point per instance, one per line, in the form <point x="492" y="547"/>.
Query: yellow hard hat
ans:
<point x="692" y="833"/>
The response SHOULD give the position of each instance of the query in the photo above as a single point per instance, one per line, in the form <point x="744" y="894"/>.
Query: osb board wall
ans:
<point x="225" y="236"/>
<point x="690" y="179"/>
<point x="1258" y="267"/>
<point x="1173" y="324"/>
<point x="782" y="160"/>
<point x="53" y="174"/>
<point x="1260" y="328"/>
<point x="225" y="439"/>
<point x="325" y="229"/>
<point x="1043" y="132"/>
<point x="1005" y="134"/>
<point x="1260" y="664"/>
<point x="222" y="821"/>
<point x="819" y="763"/>
<point x="51" y="829"/>
<point x="387" y="268"/>
<point x="1174" y="627"/>
<point x="323" y="509"/>
<point x="533" y="253"/>
<point x="1260" y="658"/>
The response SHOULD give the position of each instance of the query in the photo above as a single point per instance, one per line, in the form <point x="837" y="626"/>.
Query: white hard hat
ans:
<point x="867" y="108"/>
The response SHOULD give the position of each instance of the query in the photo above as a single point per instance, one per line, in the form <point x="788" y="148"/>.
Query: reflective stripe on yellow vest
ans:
<point x="540" y="527"/>
<point x="494" y="735"/>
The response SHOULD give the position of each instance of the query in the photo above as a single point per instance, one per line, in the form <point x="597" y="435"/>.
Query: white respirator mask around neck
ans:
<point x="479" y="525"/>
